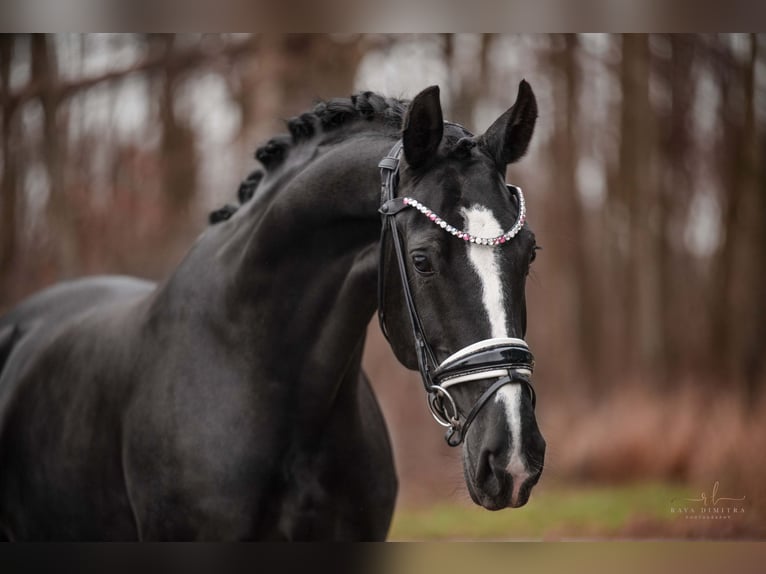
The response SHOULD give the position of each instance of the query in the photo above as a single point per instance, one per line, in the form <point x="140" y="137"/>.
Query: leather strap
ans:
<point x="390" y="206"/>
<point x="456" y="434"/>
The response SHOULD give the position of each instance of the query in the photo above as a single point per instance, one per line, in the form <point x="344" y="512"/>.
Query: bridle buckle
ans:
<point x="436" y="397"/>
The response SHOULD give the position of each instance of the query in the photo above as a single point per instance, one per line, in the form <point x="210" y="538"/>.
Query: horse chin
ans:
<point x="490" y="503"/>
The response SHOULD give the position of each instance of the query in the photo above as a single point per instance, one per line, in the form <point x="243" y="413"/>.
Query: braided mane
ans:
<point x="326" y="116"/>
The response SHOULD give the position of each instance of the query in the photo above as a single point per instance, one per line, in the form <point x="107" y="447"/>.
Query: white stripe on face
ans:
<point x="510" y="396"/>
<point x="481" y="222"/>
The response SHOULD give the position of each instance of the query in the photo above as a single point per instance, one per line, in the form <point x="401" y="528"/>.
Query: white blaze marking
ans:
<point x="510" y="396"/>
<point x="481" y="222"/>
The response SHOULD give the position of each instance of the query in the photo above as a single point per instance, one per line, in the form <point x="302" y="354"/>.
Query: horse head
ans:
<point x="456" y="252"/>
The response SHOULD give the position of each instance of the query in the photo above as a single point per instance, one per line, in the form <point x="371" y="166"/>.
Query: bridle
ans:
<point x="507" y="360"/>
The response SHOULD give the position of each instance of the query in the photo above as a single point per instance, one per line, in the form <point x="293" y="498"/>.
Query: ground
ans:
<point x="557" y="512"/>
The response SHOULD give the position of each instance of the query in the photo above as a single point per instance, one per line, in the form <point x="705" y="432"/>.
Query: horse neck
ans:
<point x="306" y="267"/>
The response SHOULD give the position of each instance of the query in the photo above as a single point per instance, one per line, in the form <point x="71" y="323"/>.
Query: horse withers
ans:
<point x="228" y="402"/>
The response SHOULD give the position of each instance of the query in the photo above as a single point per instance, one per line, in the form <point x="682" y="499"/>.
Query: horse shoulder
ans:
<point x="200" y="452"/>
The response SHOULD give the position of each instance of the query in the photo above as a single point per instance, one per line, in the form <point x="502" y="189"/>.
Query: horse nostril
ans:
<point x="485" y="468"/>
<point x="490" y="468"/>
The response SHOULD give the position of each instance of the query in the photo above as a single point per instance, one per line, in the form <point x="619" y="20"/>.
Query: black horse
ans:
<point x="229" y="402"/>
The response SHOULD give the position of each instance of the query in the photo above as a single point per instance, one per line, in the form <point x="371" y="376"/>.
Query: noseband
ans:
<point x="507" y="360"/>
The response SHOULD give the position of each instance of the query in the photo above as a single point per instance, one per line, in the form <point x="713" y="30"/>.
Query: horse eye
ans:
<point x="422" y="264"/>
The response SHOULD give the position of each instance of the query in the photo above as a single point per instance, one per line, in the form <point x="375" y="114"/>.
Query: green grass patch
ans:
<point x="558" y="512"/>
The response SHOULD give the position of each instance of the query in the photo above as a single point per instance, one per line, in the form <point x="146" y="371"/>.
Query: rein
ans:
<point x="507" y="360"/>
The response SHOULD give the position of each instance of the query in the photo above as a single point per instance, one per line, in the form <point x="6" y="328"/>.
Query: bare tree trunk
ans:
<point x="614" y="219"/>
<point x="9" y="185"/>
<point x="179" y="165"/>
<point x="627" y="188"/>
<point x="756" y="357"/>
<point x="637" y="189"/>
<point x="573" y="240"/>
<point x="673" y="205"/>
<point x="61" y="214"/>
<point x="584" y="273"/>
<point x="731" y="312"/>
<point x="752" y="222"/>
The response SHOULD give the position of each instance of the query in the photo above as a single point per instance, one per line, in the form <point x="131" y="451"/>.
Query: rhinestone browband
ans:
<point x="464" y="235"/>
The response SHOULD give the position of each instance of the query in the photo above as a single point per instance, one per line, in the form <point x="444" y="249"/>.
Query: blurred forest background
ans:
<point x="646" y="188"/>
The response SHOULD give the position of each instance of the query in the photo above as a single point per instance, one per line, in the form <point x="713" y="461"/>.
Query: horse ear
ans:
<point x="423" y="127"/>
<point x="508" y="138"/>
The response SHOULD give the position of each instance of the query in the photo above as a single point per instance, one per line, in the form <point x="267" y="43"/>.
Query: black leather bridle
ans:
<point x="507" y="360"/>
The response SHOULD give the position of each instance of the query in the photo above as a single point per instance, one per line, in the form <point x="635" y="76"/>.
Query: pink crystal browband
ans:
<point x="464" y="235"/>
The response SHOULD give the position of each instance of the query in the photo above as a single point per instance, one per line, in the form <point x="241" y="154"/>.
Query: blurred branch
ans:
<point x="198" y="55"/>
